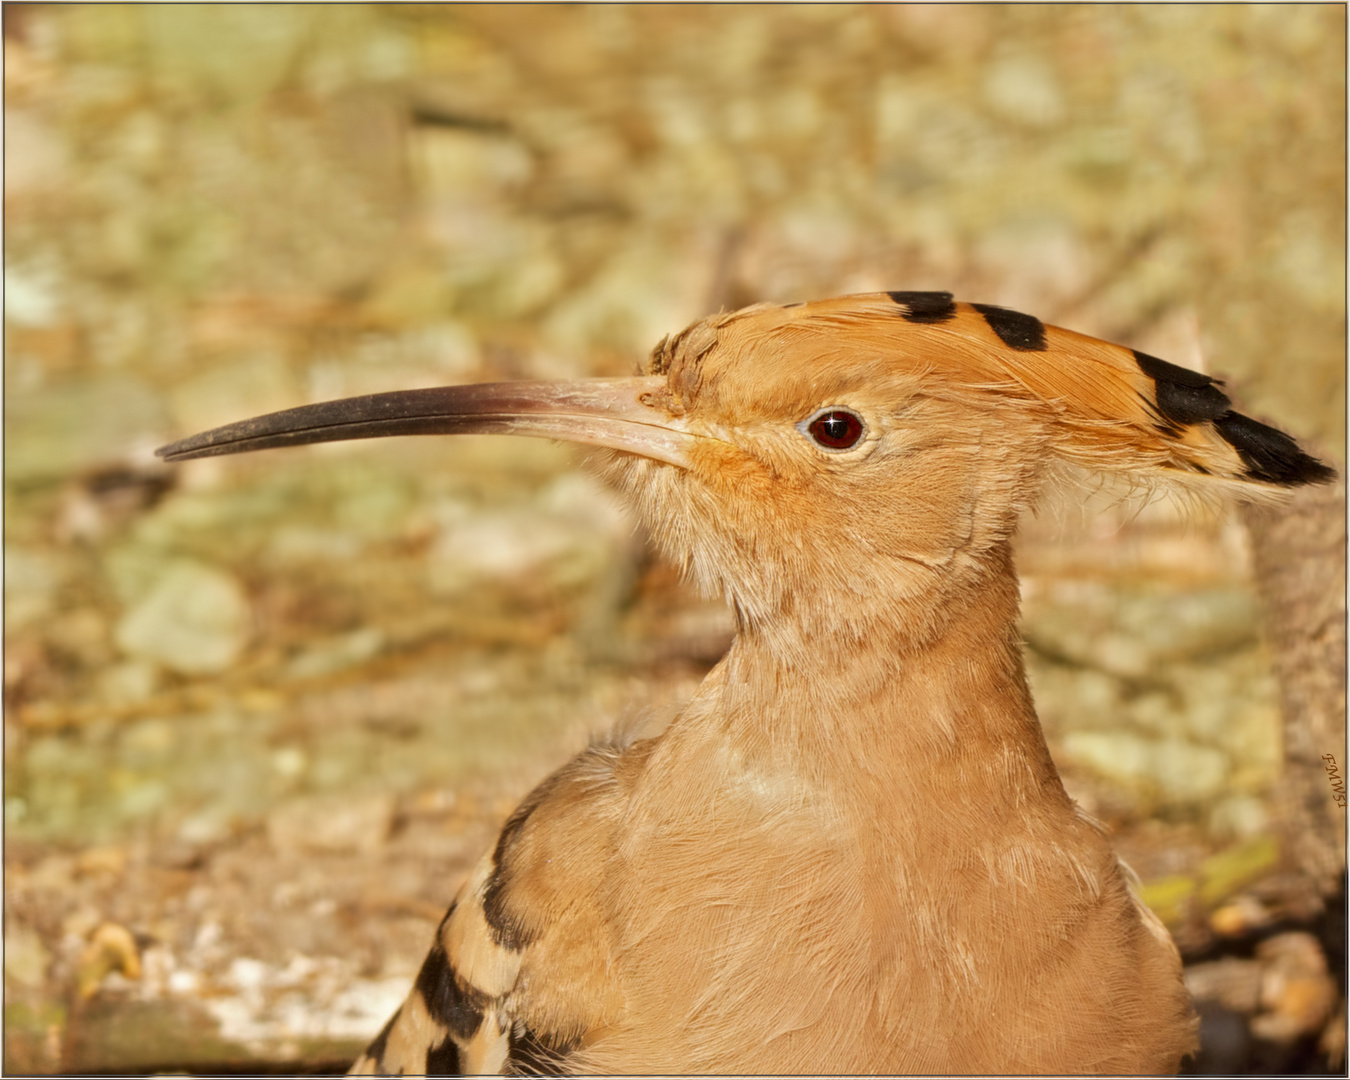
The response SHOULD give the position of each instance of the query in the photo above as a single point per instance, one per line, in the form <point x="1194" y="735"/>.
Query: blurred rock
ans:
<point x="111" y="861"/>
<point x="1173" y="769"/>
<point x="566" y="537"/>
<point x="1240" y="917"/>
<point x="258" y="1003"/>
<point x="26" y="958"/>
<point x="32" y="578"/>
<point x="240" y="385"/>
<point x="331" y="824"/>
<point x="194" y="620"/>
<point x="205" y="51"/>
<point x="304" y="545"/>
<point x="38" y="161"/>
<point x="76" y="426"/>
<point x="55" y="873"/>
<point x="1297" y="993"/>
<point x="1131" y="634"/>
<point x="81" y="635"/>
<point x="196" y="831"/>
<point x="129" y="682"/>
<point x="1238" y="817"/>
<point x="1024" y="90"/>
<point x="325" y="657"/>
<point x="1233" y="983"/>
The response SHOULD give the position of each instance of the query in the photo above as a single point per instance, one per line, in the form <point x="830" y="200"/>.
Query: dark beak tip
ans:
<point x="176" y="451"/>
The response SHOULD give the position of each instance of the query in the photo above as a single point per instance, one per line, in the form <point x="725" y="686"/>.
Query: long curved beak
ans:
<point x="600" y="412"/>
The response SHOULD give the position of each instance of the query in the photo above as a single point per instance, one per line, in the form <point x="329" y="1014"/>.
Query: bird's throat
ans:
<point x="888" y="712"/>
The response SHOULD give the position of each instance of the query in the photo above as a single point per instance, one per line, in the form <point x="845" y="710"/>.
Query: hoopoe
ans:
<point x="851" y="852"/>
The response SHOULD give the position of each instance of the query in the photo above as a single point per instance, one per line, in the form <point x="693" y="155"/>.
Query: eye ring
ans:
<point x="834" y="429"/>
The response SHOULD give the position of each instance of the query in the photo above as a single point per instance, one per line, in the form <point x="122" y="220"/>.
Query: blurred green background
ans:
<point x="260" y="713"/>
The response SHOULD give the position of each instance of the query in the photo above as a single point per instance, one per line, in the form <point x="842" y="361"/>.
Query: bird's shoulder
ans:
<point x="519" y="974"/>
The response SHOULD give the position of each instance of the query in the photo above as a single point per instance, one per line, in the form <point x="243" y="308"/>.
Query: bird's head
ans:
<point x="845" y="466"/>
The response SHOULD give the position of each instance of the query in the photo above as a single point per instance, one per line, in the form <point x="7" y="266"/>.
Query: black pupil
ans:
<point x="837" y="430"/>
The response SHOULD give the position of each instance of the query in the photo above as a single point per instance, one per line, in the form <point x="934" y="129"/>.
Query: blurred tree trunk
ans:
<point x="1300" y="551"/>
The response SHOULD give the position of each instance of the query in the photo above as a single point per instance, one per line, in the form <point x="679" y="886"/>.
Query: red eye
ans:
<point x="836" y="429"/>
